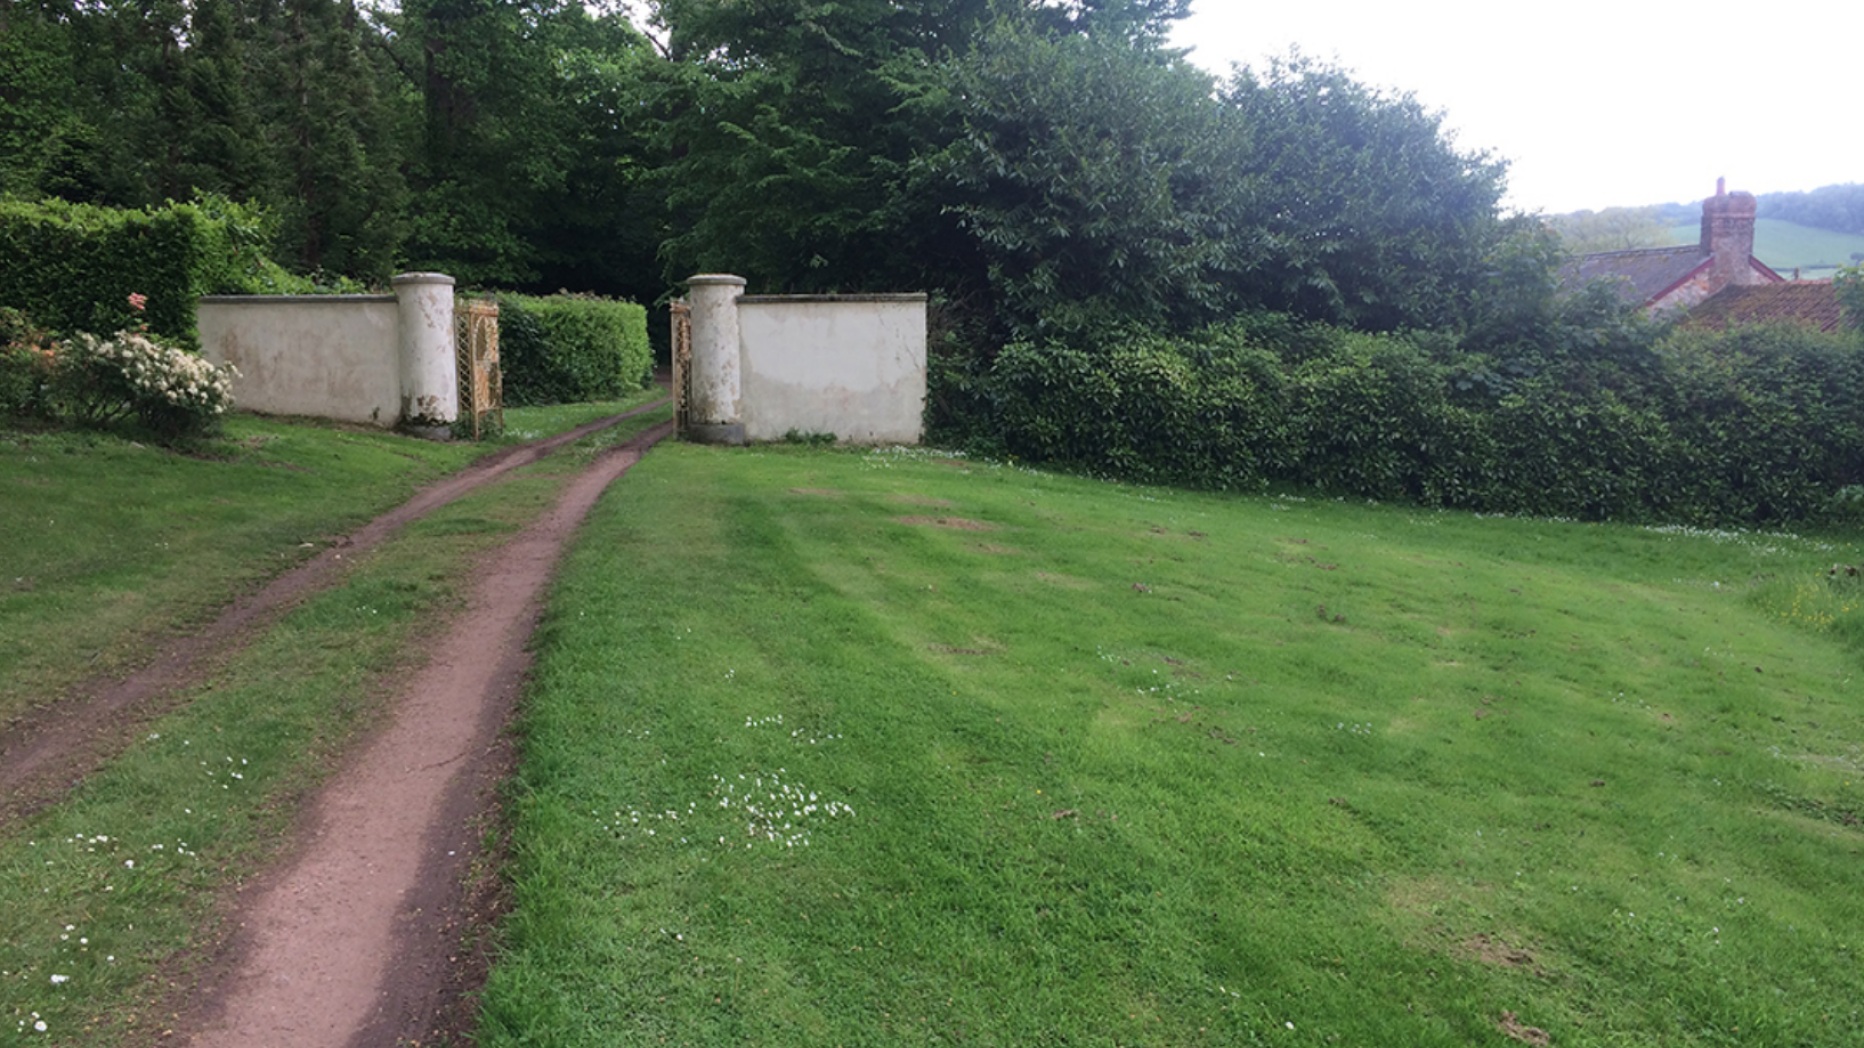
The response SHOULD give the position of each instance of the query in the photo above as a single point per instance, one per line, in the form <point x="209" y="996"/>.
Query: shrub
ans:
<point x="1773" y="415"/>
<point x="1757" y="425"/>
<point x="174" y="394"/>
<point x="72" y="266"/>
<point x="25" y="365"/>
<point x="1848" y="284"/>
<point x="1148" y="410"/>
<point x="568" y="348"/>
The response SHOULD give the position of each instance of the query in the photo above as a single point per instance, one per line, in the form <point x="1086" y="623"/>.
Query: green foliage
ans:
<point x="791" y="128"/>
<point x="1771" y="417"/>
<point x="1050" y="167"/>
<point x="332" y="138"/>
<point x="1371" y="217"/>
<point x="133" y="105"/>
<point x="39" y="128"/>
<point x="1753" y="426"/>
<point x="1613" y="229"/>
<point x="1849" y="286"/>
<point x="1092" y="181"/>
<point x="26" y="365"/>
<point x="1055" y="170"/>
<point x="532" y="126"/>
<point x="565" y="348"/>
<point x="74" y="267"/>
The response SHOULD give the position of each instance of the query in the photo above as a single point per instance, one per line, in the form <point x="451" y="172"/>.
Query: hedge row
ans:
<point x="73" y="267"/>
<point x="1754" y="426"/>
<point x="567" y="348"/>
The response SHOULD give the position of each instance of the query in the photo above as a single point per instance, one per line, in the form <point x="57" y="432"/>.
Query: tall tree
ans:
<point x="791" y="137"/>
<point x="599" y="228"/>
<point x="332" y="134"/>
<point x="494" y="141"/>
<point x="1377" y="220"/>
<point x="43" y="135"/>
<point x="1089" y="176"/>
<point x="220" y="129"/>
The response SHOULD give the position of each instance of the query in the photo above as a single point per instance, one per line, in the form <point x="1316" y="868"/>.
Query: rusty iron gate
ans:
<point x="482" y="384"/>
<point x="681" y="317"/>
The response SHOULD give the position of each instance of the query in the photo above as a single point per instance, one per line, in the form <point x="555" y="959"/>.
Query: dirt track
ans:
<point x="335" y="949"/>
<point x="53" y="749"/>
<point x="355" y="938"/>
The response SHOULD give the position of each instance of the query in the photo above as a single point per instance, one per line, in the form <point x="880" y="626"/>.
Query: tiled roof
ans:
<point x="1637" y="276"/>
<point x="1812" y="302"/>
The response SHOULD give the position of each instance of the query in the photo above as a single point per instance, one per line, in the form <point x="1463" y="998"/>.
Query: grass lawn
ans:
<point x="112" y="897"/>
<point x="112" y="545"/>
<point x="863" y="748"/>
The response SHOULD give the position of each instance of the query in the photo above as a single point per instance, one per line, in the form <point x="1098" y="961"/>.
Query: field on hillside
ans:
<point x="1817" y="253"/>
<point x="840" y="747"/>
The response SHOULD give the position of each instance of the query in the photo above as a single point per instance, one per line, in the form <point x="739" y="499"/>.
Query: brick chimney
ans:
<point x="1728" y="237"/>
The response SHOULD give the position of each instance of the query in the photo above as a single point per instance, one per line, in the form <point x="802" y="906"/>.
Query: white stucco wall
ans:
<point x="851" y="365"/>
<point x="331" y="356"/>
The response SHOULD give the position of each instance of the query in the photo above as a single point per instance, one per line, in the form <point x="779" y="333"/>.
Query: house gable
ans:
<point x="1664" y="279"/>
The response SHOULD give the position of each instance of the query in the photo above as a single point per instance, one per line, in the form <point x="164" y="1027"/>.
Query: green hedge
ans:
<point x="72" y="267"/>
<point x="1753" y="426"/>
<point x="570" y="348"/>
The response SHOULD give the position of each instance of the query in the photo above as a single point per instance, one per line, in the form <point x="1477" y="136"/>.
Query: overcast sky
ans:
<point x="1594" y="103"/>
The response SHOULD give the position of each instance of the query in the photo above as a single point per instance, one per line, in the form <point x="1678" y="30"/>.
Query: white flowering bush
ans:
<point x="175" y="394"/>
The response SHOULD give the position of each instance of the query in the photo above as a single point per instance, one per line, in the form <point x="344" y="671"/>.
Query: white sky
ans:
<point x="1594" y="103"/>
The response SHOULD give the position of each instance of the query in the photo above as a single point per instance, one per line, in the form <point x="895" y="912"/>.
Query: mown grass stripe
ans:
<point x="1171" y="801"/>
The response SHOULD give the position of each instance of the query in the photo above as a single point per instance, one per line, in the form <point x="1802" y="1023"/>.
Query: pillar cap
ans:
<point x="400" y="279"/>
<point x="714" y="279"/>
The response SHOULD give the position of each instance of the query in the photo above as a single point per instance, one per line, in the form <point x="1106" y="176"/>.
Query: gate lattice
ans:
<point x="482" y="384"/>
<point x="681" y="316"/>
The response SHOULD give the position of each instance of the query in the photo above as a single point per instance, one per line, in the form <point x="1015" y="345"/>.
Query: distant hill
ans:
<point x="1816" y="253"/>
<point x="1815" y="231"/>
<point x="1837" y="208"/>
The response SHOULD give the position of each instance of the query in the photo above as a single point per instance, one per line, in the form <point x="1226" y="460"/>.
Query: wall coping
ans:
<point x="243" y="300"/>
<point x="400" y="279"/>
<point x="753" y="300"/>
<point x="715" y="280"/>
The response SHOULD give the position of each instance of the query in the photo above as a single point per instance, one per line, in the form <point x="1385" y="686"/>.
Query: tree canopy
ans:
<point x="1048" y="163"/>
<point x="1613" y="229"/>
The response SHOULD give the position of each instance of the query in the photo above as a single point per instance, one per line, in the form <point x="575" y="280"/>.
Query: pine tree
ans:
<point x="336" y="163"/>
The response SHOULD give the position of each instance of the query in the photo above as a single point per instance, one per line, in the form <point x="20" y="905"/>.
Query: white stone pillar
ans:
<point x="430" y="392"/>
<point x="714" y="400"/>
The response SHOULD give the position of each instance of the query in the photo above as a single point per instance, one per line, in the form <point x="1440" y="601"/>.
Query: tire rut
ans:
<point x="343" y="944"/>
<point x="52" y="749"/>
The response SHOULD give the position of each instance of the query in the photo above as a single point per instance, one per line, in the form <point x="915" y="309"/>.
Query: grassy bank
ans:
<point x="882" y="748"/>
<point x="110" y="899"/>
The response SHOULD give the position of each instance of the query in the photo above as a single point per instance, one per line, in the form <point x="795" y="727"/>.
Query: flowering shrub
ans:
<point x="175" y="394"/>
<point x="26" y="364"/>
